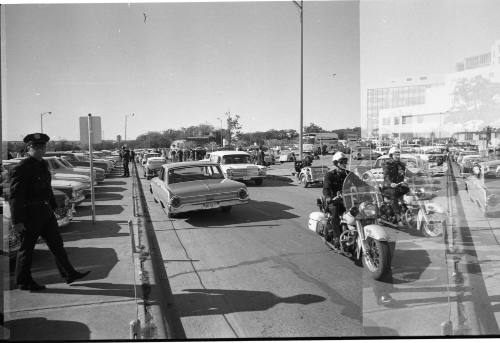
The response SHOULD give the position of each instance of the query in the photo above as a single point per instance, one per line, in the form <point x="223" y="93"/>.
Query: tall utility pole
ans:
<point x="301" y="8"/>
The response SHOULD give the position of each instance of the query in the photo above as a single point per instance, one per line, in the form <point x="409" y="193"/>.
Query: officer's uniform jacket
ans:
<point x="394" y="172"/>
<point x="30" y="184"/>
<point x="333" y="181"/>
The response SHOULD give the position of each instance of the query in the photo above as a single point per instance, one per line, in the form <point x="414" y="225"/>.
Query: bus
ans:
<point x="320" y="142"/>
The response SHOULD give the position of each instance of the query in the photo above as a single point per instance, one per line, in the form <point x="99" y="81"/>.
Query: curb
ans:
<point x="153" y="324"/>
<point x="470" y="319"/>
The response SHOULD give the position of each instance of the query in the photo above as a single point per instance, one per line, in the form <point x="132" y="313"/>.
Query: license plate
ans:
<point x="210" y="204"/>
<point x="246" y="177"/>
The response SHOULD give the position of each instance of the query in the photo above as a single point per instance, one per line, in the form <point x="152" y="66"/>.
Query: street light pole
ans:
<point x="126" y="116"/>
<point x="301" y="7"/>
<point x="41" y="120"/>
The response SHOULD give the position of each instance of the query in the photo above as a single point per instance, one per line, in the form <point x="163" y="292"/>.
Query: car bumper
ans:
<point x="246" y="178"/>
<point x="207" y="205"/>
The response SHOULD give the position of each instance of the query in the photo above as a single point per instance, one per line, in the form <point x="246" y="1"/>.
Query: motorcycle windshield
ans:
<point x="421" y="184"/>
<point x="358" y="189"/>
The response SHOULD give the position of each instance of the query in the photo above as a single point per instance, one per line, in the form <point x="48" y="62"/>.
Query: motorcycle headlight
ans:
<point x="242" y="193"/>
<point x="175" y="201"/>
<point x="368" y="209"/>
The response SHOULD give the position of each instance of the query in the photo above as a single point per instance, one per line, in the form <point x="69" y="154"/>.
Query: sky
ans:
<point x="176" y="65"/>
<point x="186" y="64"/>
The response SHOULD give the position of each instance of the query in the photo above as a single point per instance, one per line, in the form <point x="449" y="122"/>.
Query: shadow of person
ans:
<point x="37" y="328"/>
<point x="99" y="260"/>
<point x="201" y="302"/>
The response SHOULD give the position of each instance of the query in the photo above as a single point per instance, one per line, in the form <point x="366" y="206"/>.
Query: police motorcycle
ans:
<point x="362" y="238"/>
<point x="422" y="213"/>
<point x="417" y="211"/>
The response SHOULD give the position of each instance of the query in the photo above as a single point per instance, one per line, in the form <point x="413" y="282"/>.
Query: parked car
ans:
<point x="236" y="165"/>
<point x="57" y="167"/>
<point x="467" y="162"/>
<point x="152" y="166"/>
<point x="78" y="160"/>
<point x="483" y="189"/>
<point x="198" y="185"/>
<point x="435" y="162"/>
<point x="146" y="155"/>
<point x="99" y="172"/>
<point x="73" y="189"/>
<point x="492" y="168"/>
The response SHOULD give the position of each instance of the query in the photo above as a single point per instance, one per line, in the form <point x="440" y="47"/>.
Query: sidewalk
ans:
<point x="98" y="307"/>
<point x="477" y="261"/>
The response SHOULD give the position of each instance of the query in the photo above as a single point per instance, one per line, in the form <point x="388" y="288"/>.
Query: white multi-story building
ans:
<point x="431" y="114"/>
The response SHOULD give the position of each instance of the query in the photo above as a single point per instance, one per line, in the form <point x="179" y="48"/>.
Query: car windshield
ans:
<point x="236" y="159"/>
<point x="53" y="164"/>
<point x="66" y="163"/>
<point x="194" y="173"/>
<point x="82" y="158"/>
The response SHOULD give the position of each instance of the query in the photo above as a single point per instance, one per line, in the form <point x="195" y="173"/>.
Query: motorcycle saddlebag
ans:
<point x="317" y="222"/>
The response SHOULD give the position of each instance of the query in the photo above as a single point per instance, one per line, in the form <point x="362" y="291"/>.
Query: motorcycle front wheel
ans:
<point x="377" y="259"/>
<point x="434" y="229"/>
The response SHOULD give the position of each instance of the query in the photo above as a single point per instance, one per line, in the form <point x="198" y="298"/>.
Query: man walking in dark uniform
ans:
<point x="125" y="154"/>
<point x="32" y="205"/>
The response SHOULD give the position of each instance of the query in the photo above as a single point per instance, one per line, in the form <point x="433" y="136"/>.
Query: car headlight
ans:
<point x="368" y="210"/>
<point x="242" y="193"/>
<point x="175" y="201"/>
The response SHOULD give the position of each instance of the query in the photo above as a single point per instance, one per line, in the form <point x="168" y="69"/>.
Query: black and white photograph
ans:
<point x="250" y="170"/>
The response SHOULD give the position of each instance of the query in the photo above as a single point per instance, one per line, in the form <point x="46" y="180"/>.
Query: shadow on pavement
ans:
<point x="37" y="328"/>
<point x="274" y="181"/>
<point x="199" y="302"/>
<point x="408" y="265"/>
<point x="82" y="211"/>
<point x="109" y="189"/>
<point x="107" y="196"/>
<point x="85" y="230"/>
<point x="267" y="211"/>
<point x="112" y="183"/>
<point x="100" y="261"/>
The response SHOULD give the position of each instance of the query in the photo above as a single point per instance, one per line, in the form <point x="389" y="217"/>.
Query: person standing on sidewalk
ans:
<point x="125" y="154"/>
<point x="32" y="205"/>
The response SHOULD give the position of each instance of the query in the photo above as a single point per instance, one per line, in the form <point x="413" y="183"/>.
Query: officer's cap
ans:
<point x="36" y="138"/>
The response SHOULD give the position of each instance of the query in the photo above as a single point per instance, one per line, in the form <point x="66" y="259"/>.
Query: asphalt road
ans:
<point x="259" y="273"/>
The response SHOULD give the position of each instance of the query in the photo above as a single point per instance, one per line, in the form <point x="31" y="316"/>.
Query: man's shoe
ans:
<point x="77" y="276"/>
<point x="32" y="286"/>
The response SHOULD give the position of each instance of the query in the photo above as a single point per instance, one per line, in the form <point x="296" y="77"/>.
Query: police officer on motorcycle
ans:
<point x="332" y="187"/>
<point x="394" y="173"/>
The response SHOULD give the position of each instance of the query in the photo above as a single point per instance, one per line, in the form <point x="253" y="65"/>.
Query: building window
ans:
<point x="396" y="121"/>
<point x="468" y="136"/>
